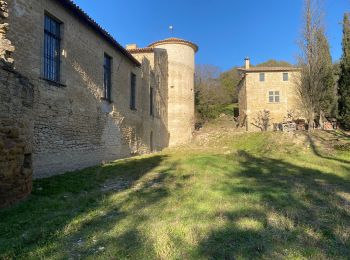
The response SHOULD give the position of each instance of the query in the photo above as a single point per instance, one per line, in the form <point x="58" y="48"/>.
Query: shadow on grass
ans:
<point x="340" y="134"/>
<point x="319" y="154"/>
<point x="65" y="211"/>
<point x="299" y="213"/>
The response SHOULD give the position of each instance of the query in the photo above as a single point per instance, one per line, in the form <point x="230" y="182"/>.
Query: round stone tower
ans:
<point x="181" y="69"/>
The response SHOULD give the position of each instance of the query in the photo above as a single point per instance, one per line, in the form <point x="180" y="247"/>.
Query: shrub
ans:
<point x="206" y="112"/>
<point x="345" y="122"/>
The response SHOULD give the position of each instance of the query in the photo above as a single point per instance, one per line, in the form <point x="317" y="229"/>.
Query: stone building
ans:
<point x="270" y="89"/>
<point x="73" y="97"/>
<point x="181" y="69"/>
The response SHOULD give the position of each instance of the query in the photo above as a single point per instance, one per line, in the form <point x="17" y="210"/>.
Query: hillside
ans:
<point x="227" y="195"/>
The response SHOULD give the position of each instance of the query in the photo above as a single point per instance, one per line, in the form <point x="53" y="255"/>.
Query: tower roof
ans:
<point x="175" y="41"/>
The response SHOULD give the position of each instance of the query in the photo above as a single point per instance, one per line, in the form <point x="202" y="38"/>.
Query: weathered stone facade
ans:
<point x="50" y="127"/>
<point x="254" y="95"/>
<point x="16" y="96"/>
<point x="180" y="85"/>
<point x="6" y="47"/>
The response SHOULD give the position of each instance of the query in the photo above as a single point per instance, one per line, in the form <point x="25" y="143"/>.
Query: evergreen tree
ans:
<point x="317" y="83"/>
<point x="327" y="89"/>
<point x="344" y="77"/>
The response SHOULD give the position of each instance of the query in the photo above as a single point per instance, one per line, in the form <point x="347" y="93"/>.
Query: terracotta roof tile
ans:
<point x="78" y="12"/>
<point x="269" y="69"/>
<point x="175" y="40"/>
<point x="141" y="50"/>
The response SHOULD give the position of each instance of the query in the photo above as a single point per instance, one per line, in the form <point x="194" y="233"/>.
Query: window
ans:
<point x="133" y="91"/>
<point x="151" y="142"/>
<point x="107" y="77"/>
<point x="285" y="76"/>
<point x="52" y="49"/>
<point x="262" y="76"/>
<point x="277" y="96"/>
<point x="151" y="101"/>
<point x="274" y="96"/>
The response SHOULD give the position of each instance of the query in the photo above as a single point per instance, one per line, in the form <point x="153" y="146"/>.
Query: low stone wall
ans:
<point x="16" y="98"/>
<point x="16" y="127"/>
<point x="15" y="163"/>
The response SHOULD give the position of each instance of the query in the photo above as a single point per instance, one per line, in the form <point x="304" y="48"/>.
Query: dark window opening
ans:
<point x="151" y="142"/>
<point x="52" y="49"/>
<point x="285" y="76"/>
<point x="262" y="76"/>
<point x="133" y="92"/>
<point x="107" y="77"/>
<point x="27" y="162"/>
<point x="151" y="101"/>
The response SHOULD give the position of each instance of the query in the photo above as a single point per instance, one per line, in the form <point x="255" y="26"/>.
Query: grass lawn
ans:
<point x="227" y="196"/>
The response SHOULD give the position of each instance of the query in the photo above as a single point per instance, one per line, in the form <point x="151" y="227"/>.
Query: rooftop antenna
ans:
<point x="171" y="28"/>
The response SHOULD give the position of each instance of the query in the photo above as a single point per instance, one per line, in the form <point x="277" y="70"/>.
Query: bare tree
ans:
<point x="210" y="94"/>
<point x="313" y="86"/>
<point x="262" y="120"/>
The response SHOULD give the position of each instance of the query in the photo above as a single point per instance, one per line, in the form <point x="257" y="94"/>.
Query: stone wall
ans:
<point x="181" y="116"/>
<point x="73" y="127"/>
<point x="16" y="101"/>
<point x="16" y="95"/>
<point x="155" y="75"/>
<point x="254" y="97"/>
<point x="6" y="47"/>
<point x="15" y="162"/>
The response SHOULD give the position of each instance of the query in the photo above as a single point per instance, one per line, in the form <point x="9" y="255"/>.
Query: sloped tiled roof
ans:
<point x="84" y="17"/>
<point x="269" y="69"/>
<point x="176" y="41"/>
<point x="141" y="50"/>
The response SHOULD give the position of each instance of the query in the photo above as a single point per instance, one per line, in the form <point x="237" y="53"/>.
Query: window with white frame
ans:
<point x="274" y="96"/>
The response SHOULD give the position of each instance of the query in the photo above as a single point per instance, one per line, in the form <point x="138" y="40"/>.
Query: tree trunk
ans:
<point x="311" y="121"/>
<point x="321" y="121"/>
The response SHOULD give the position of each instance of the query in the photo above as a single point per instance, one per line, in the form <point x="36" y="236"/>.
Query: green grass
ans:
<point x="239" y="196"/>
<point x="228" y="109"/>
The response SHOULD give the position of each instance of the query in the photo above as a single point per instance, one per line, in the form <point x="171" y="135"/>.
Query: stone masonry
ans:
<point x="16" y="95"/>
<point x="49" y="128"/>
<point x="6" y="47"/>
<point x="254" y="97"/>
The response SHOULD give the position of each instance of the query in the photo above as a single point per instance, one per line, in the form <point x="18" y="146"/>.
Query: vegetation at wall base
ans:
<point x="227" y="196"/>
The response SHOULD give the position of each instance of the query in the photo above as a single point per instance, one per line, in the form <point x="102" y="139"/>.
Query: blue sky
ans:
<point x="225" y="30"/>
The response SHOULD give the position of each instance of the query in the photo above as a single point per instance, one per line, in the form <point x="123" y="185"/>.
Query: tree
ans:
<point x="316" y="84"/>
<point x="209" y="93"/>
<point x="344" y="77"/>
<point x="229" y="81"/>
<point x="327" y="88"/>
<point x="274" y="63"/>
<point x="207" y="86"/>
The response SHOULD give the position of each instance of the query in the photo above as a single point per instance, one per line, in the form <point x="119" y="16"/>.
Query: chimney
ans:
<point x="131" y="46"/>
<point x="247" y="63"/>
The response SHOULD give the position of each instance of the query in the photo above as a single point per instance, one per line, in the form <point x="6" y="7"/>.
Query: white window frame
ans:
<point x="274" y="96"/>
